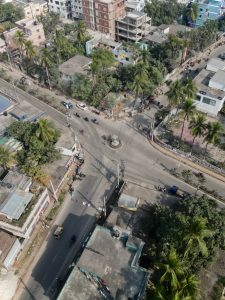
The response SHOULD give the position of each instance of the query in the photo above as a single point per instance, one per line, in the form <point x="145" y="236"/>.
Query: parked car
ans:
<point x="68" y="105"/>
<point x="82" y="106"/>
<point x="58" y="232"/>
<point x="222" y="56"/>
<point x="86" y="119"/>
<point x="174" y="190"/>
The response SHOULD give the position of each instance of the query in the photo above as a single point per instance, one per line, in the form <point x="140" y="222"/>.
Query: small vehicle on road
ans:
<point x="58" y="232"/>
<point x="82" y="106"/>
<point x="68" y="105"/>
<point x="95" y="121"/>
<point x="96" y="111"/>
<point x="86" y="119"/>
<point x="77" y="115"/>
<point x="174" y="190"/>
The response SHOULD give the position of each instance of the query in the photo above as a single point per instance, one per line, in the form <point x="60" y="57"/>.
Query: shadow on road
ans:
<point x="55" y="263"/>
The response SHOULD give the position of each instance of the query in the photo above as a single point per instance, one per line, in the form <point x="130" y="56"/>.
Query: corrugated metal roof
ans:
<point x="128" y="201"/>
<point x="4" y="104"/>
<point x="15" y="204"/>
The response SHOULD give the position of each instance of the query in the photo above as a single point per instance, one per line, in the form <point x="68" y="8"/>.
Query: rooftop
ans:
<point x="216" y="63"/>
<point x="77" y="64"/>
<point x="111" y="263"/>
<point x="5" y="104"/>
<point x="156" y="36"/>
<point x="27" y="22"/>
<point x="2" y="42"/>
<point x="135" y="14"/>
<point x="15" y="204"/>
<point x="6" y="242"/>
<point x="128" y="202"/>
<point x="219" y="77"/>
<point x="202" y="82"/>
<point x="119" y="217"/>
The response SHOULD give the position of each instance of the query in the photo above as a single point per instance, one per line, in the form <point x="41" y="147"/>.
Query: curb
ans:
<point x="187" y="162"/>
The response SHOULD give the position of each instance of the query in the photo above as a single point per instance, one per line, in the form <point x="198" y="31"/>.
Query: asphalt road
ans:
<point x="141" y="163"/>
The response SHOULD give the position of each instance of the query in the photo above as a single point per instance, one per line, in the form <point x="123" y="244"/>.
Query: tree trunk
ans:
<point x="205" y="150"/>
<point x="193" y="141"/>
<point x="182" y="130"/>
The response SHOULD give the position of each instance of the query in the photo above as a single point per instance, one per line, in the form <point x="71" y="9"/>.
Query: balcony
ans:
<point x="127" y="28"/>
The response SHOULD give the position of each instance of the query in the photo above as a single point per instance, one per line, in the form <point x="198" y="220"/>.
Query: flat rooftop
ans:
<point x="111" y="262"/>
<point x="202" y="82"/>
<point x="217" y="63"/>
<point x="156" y="36"/>
<point x="27" y="22"/>
<point x="6" y="242"/>
<point x="77" y="64"/>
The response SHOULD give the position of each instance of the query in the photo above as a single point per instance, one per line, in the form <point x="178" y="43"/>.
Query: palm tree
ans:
<point x="20" y="41"/>
<point x="190" y="88"/>
<point x="141" y="81"/>
<point x="102" y="59"/>
<point x="30" y="50"/>
<point x="188" y="110"/>
<point x="192" y="12"/>
<point x="46" y="62"/>
<point x="189" y="287"/>
<point x="46" y="131"/>
<point x="196" y="233"/>
<point x="213" y="133"/>
<point x="175" y="93"/>
<point x="197" y="127"/>
<point x="5" y="158"/>
<point x="172" y="268"/>
<point x="81" y="31"/>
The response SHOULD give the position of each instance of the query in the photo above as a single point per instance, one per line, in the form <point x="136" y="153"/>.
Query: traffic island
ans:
<point x="114" y="141"/>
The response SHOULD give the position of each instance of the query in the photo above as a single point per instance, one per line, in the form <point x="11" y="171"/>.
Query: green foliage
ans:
<point x="5" y="158"/>
<point x="49" y="22"/>
<point x="38" y="141"/>
<point x="81" y="87"/>
<point x="163" y="12"/>
<point x="190" y="13"/>
<point x="11" y="13"/>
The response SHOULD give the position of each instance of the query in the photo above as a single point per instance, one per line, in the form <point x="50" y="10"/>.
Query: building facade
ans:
<point x="101" y="15"/>
<point x="209" y="10"/>
<point x="32" y="9"/>
<point x="133" y="27"/>
<point x="61" y="7"/>
<point x="33" y="30"/>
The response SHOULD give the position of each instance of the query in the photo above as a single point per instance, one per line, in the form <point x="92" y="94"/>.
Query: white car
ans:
<point x="82" y="106"/>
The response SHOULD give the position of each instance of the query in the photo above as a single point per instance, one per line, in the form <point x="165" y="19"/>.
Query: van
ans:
<point x="58" y="232"/>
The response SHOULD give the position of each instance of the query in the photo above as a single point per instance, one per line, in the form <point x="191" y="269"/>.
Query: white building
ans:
<point x="215" y="64"/>
<point x="2" y="46"/>
<point x="211" y="91"/>
<point x="32" y="9"/>
<point x="67" y="9"/>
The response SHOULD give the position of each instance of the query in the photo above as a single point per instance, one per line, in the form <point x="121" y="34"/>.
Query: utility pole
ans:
<point x="152" y="129"/>
<point x="104" y="206"/>
<point x="118" y="174"/>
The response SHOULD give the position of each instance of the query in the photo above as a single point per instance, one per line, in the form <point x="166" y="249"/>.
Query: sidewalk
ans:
<point x="187" y="162"/>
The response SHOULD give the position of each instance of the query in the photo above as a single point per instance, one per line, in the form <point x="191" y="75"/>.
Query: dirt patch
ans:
<point x="210" y="276"/>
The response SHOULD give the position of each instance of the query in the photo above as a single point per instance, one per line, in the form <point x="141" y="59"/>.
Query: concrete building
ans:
<point x="209" y="10"/>
<point x="61" y="7"/>
<point x="10" y="247"/>
<point x="133" y="27"/>
<point x="32" y="9"/>
<point x="2" y="46"/>
<point x="135" y="5"/>
<point x="101" y="15"/>
<point x="33" y="30"/>
<point x="215" y="64"/>
<point x="108" y="268"/>
<point x="122" y="54"/>
<point x="19" y="208"/>
<point x="211" y="91"/>
<point x="78" y="64"/>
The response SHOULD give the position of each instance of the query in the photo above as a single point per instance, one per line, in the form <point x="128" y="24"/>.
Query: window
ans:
<point x="198" y="98"/>
<point x="209" y="101"/>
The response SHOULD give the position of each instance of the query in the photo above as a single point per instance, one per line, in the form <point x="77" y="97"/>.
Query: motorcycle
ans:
<point x="77" y="115"/>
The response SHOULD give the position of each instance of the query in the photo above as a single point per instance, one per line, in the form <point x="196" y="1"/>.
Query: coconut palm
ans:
<point x="20" y="41"/>
<point x="213" y="133"/>
<point x="141" y="81"/>
<point x="5" y="158"/>
<point x="192" y="11"/>
<point x="197" y="127"/>
<point x="81" y="31"/>
<point x="46" y="62"/>
<point x="189" y="287"/>
<point x="175" y="93"/>
<point x="172" y="268"/>
<point x="190" y="88"/>
<point x="188" y="110"/>
<point x="197" y="231"/>
<point x="30" y="50"/>
<point x="46" y="131"/>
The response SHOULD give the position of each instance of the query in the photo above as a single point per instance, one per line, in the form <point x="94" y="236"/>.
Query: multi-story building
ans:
<point x="61" y="7"/>
<point x="32" y="9"/>
<point x="33" y="30"/>
<point x="133" y="27"/>
<point x="209" y="10"/>
<point x="101" y="15"/>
